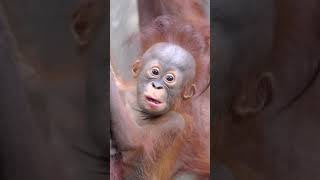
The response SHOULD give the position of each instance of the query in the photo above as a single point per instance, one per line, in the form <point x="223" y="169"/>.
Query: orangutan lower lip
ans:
<point x="153" y="100"/>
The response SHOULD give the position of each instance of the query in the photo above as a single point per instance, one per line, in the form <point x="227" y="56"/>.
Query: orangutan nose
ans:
<point x="157" y="85"/>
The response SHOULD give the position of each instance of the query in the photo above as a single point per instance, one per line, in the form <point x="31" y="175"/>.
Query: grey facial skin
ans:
<point x="171" y="55"/>
<point x="168" y="59"/>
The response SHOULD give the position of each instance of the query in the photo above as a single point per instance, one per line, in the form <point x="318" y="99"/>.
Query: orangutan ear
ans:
<point x="189" y="92"/>
<point x="84" y="22"/>
<point x="136" y="68"/>
<point x="255" y="97"/>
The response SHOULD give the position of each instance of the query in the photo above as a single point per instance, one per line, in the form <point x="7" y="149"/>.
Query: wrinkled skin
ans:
<point x="141" y="135"/>
<point x="61" y="62"/>
<point x="266" y="89"/>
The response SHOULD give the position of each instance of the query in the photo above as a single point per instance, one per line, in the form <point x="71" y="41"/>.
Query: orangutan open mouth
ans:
<point x="153" y="100"/>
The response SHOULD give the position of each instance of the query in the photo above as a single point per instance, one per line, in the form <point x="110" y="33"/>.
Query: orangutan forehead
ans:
<point x="170" y="54"/>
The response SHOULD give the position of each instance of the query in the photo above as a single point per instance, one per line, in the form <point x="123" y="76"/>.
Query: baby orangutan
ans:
<point x="149" y="123"/>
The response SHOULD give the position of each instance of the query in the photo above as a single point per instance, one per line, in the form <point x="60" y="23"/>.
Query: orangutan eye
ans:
<point x="169" y="78"/>
<point x="155" y="71"/>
